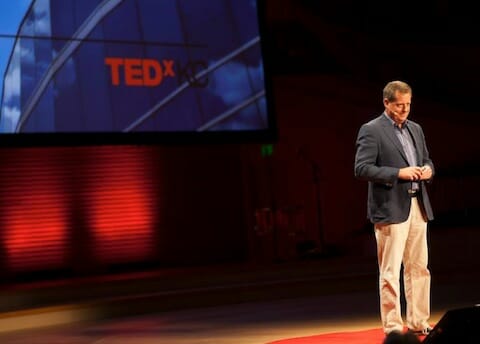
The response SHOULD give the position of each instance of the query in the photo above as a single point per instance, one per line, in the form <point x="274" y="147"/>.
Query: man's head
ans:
<point x="397" y="97"/>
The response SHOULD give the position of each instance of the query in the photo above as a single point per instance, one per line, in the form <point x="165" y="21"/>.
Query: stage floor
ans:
<point x="250" y="323"/>
<point x="229" y="304"/>
<point x="255" y="322"/>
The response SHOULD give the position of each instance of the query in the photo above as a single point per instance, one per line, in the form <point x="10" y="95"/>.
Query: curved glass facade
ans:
<point x="135" y="65"/>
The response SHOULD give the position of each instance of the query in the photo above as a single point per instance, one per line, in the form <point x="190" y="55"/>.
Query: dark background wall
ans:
<point x="86" y="210"/>
<point x="331" y="61"/>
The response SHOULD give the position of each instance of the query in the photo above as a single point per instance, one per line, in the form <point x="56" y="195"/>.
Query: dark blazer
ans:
<point x="379" y="156"/>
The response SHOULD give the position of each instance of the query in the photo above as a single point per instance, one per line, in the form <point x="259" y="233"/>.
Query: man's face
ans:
<point x="399" y="108"/>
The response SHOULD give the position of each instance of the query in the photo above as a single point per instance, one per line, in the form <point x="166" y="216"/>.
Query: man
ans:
<point x="391" y="154"/>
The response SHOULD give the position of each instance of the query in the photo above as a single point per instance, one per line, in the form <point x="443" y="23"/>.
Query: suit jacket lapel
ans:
<point x="390" y="131"/>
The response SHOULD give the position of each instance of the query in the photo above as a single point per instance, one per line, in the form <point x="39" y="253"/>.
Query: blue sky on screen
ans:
<point x="11" y="14"/>
<point x="228" y="84"/>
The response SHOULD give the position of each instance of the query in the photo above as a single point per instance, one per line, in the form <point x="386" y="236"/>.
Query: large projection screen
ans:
<point x="133" y="71"/>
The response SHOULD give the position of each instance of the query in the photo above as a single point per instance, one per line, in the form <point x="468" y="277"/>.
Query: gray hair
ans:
<point x="393" y="87"/>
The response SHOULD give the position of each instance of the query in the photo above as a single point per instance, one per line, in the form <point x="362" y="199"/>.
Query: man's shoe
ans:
<point x="423" y="332"/>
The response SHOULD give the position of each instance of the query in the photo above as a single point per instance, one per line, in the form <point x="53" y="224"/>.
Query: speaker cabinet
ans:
<point x="460" y="326"/>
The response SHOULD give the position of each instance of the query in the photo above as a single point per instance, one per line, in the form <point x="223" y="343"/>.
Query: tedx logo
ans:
<point x="136" y="72"/>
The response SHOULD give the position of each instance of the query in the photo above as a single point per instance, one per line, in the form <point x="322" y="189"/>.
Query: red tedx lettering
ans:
<point x="114" y="64"/>
<point x="139" y="72"/>
<point x="133" y="72"/>
<point x="152" y="73"/>
<point x="168" y="64"/>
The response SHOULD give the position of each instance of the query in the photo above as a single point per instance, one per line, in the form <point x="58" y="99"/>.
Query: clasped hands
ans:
<point x="415" y="173"/>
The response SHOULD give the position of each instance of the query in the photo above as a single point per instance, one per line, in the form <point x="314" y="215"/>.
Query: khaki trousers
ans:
<point x="404" y="243"/>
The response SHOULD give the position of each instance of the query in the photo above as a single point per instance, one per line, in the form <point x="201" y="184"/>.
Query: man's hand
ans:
<point x="410" y="173"/>
<point x="426" y="172"/>
<point x="415" y="173"/>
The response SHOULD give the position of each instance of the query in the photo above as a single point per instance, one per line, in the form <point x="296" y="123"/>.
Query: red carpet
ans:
<point x="372" y="336"/>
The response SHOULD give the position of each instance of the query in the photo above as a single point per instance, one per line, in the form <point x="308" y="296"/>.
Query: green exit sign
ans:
<point x="267" y="150"/>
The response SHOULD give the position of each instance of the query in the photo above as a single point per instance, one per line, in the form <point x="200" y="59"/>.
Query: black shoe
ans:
<point x="423" y="332"/>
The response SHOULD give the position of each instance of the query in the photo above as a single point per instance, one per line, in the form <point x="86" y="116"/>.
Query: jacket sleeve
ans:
<point x="367" y="150"/>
